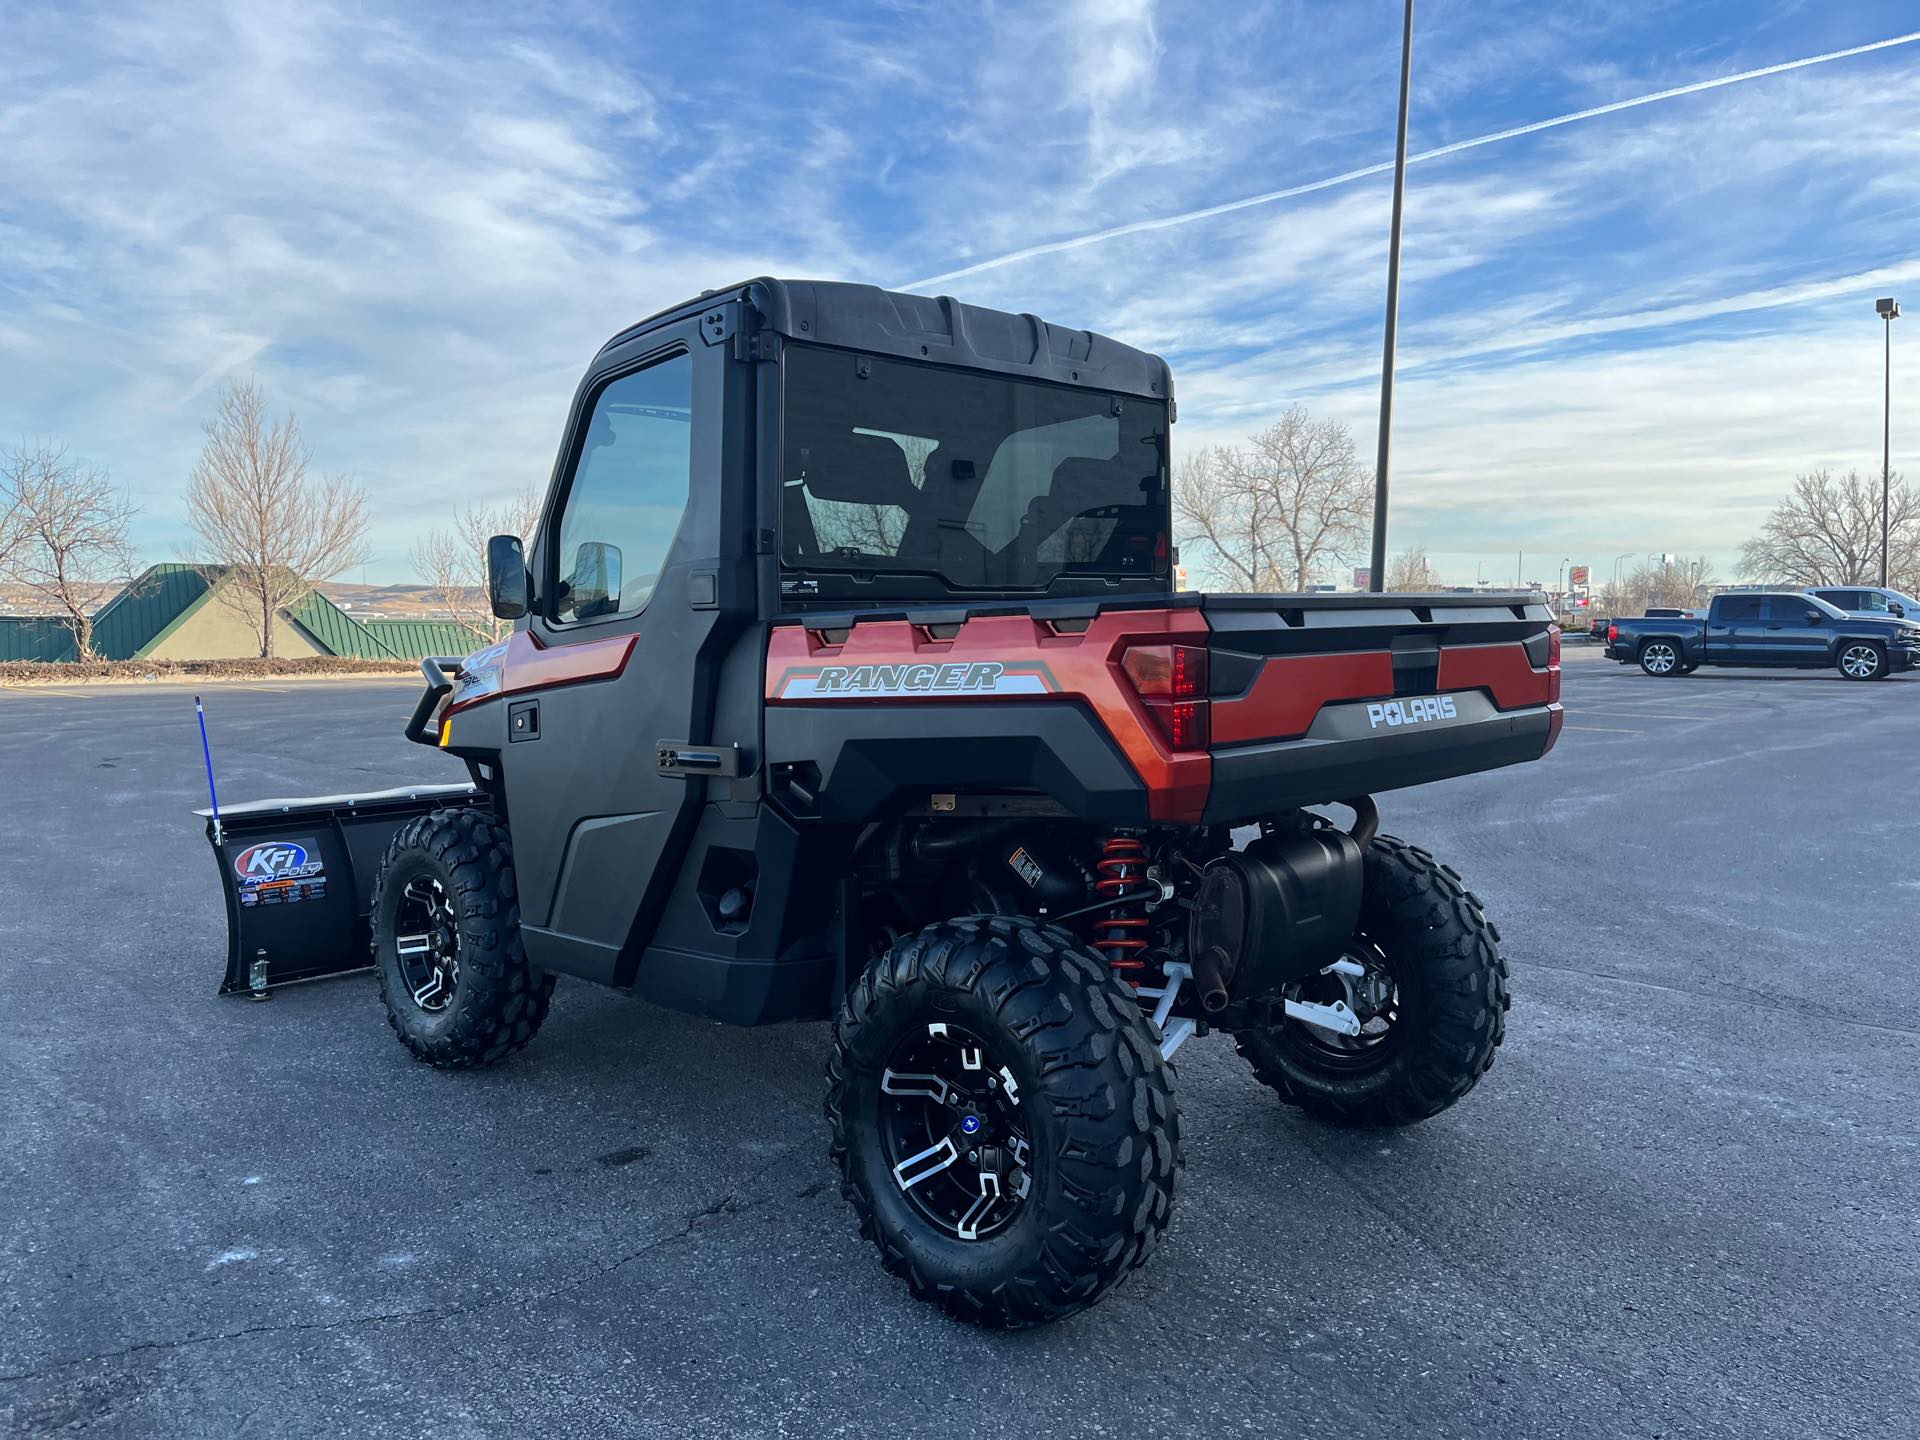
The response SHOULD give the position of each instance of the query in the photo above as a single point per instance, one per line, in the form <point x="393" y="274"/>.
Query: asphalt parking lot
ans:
<point x="1686" y="1202"/>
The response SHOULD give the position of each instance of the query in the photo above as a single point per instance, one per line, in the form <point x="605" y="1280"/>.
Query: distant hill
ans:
<point x="397" y="602"/>
<point x="392" y="602"/>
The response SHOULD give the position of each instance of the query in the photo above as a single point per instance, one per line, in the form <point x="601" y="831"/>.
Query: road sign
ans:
<point x="1363" y="578"/>
<point x="1577" y="575"/>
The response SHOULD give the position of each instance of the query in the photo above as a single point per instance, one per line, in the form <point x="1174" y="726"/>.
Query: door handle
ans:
<point x="681" y="757"/>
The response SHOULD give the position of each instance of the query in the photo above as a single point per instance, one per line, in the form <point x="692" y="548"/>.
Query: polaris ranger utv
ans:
<point x="848" y="680"/>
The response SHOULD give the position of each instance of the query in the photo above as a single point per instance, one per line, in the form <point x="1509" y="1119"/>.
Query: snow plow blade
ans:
<point x="298" y="877"/>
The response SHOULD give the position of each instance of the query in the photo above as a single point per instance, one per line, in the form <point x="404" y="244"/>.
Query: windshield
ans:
<point x="985" y="482"/>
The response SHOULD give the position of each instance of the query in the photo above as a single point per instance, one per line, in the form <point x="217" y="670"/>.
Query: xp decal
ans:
<point x="887" y="681"/>
<point x="280" y="872"/>
<point x="1411" y="712"/>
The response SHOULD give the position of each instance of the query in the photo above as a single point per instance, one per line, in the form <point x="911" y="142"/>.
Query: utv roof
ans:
<point x="936" y="328"/>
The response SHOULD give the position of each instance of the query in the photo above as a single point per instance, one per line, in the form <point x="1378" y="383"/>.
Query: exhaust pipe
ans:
<point x="1366" y="819"/>
<point x="1209" y="978"/>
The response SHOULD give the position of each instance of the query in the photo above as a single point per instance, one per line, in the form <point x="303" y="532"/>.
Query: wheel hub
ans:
<point x="953" y="1132"/>
<point x="428" y="942"/>
<point x="1362" y="980"/>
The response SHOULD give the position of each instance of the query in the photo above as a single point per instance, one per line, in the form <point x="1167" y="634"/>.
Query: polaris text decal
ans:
<point x="956" y="677"/>
<point x="1411" y="712"/>
<point x="280" y="872"/>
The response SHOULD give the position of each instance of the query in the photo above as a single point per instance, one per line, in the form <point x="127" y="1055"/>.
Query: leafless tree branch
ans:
<point x="1289" y="505"/>
<point x="275" y="532"/>
<point x="67" y="535"/>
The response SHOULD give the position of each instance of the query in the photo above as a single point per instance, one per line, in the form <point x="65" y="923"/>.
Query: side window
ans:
<point x="628" y="491"/>
<point x="1871" y="601"/>
<point x="1745" y="610"/>
<point x="1789" y="609"/>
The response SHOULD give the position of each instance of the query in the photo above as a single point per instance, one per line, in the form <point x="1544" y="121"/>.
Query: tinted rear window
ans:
<point x="986" y="482"/>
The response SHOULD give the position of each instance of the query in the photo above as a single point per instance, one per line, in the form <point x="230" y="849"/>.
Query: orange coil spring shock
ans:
<point x="1120" y="935"/>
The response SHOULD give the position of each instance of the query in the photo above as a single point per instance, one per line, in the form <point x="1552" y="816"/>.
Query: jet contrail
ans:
<point x="1186" y="217"/>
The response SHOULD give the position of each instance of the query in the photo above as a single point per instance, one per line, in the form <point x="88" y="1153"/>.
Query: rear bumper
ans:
<point x="1340" y="758"/>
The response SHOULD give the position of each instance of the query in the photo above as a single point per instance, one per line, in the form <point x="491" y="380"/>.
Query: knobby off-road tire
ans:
<point x="1444" y="957"/>
<point x="1100" y="1119"/>
<point x="498" y="1000"/>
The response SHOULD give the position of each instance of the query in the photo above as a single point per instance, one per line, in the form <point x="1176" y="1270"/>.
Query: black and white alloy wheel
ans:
<point x="1861" y="661"/>
<point x="955" y="1139"/>
<point x="428" y="943"/>
<point x="445" y="922"/>
<point x="1658" y="657"/>
<point x="1002" y="1120"/>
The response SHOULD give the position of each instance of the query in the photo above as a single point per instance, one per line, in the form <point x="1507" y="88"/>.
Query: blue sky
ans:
<point x="1619" y="335"/>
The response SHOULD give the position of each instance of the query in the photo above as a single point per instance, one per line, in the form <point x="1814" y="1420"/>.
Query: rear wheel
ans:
<point x="1001" y="1120"/>
<point x="453" y="975"/>
<point x="1431" y="997"/>
<point x="1660" y="657"/>
<point x="1861" y="660"/>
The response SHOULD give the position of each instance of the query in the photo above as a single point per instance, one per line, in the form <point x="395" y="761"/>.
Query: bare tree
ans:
<point x="1411" y="570"/>
<point x="67" y="535"/>
<point x="1282" y="508"/>
<point x="453" y="561"/>
<point x="273" y="531"/>
<point x="1827" y="532"/>
<point x="1682" y="585"/>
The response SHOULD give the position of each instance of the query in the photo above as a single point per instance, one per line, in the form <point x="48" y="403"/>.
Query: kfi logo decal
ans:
<point x="1411" y="712"/>
<point x="958" y="677"/>
<point x="274" y="860"/>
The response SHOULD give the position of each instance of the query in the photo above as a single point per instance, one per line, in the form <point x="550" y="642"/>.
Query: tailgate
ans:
<point x="1318" y="698"/>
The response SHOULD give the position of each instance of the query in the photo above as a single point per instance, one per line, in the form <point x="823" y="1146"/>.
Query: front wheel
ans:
<point x="1001" y="1120"/>
<point x="453" y="974"/>
<point x="1431" y="996"/>
<point x="1861" y="661"/>
<point x="1660" y="657"/>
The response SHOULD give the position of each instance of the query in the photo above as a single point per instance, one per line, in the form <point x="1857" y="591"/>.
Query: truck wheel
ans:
<point x="1862" y="661"/>
<point x="1001" y="1120"/>
<point x="1659" y="657"/>
<point x="446" y="942"/>
<point x="1432" y="1002"/>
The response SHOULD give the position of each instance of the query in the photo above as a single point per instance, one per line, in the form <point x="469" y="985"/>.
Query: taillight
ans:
<point x="1613" y="633"/>
<point x="1171" y="681"/>
<point x="1553" y="663"/>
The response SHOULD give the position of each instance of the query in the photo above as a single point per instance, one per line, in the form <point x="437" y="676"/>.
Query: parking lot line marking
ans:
<point x="1610" y="729"/>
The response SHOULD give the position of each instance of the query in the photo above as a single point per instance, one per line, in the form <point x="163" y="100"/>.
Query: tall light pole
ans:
<point x="1377" y="579"/>
<point x="1889" y="311"/>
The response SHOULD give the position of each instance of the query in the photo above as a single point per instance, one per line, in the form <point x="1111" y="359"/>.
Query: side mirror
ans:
<point x="1896" y="609"/>
<point x="506" y="577"/>
<point x="1814" y="617"/>
<point x="595" y="585"/>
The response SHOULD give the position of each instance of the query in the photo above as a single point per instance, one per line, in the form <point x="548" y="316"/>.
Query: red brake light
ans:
<point x="1553" y="664"/>
<point x="1613" y="633"/>
<point x="1178" y="672"/>
<point x="1172" y="681"/>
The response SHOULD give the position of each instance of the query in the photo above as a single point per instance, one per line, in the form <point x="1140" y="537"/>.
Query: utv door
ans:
<point x="638" y="593"/>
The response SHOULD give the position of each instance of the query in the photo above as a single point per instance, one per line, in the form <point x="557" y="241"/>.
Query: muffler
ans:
<point x="1273" y="913"/>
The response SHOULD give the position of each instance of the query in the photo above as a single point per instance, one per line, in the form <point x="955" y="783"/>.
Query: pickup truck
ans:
<point x="1784" y="630"/>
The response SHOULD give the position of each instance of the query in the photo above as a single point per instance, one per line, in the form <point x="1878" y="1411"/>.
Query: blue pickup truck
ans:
<point x="1791" y="630"/>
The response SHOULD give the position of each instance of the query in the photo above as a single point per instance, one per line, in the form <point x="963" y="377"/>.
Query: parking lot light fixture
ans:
<point x="1888" y="310"/>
